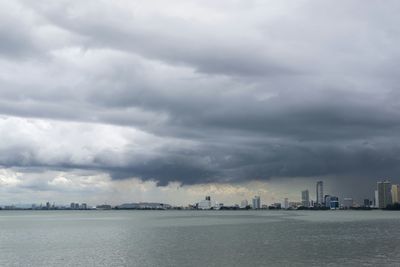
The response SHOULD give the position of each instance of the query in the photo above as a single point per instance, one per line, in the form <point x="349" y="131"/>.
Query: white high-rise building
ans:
<point x="395" y="193"/>
<point x="256" y="202"/>
<point x="320" y="193"/>
<point x="384" y="194"/>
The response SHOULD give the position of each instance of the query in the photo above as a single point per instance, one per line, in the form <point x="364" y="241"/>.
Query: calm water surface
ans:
<point x="199" y="238"/>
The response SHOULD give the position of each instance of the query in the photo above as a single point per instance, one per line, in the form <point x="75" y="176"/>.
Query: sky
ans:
<point x="169" y="101"/>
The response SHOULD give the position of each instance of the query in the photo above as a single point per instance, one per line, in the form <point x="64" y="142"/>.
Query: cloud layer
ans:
<point x="200" y="91"/>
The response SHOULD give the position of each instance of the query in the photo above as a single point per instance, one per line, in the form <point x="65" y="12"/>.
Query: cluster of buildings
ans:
<point x="208" y="204"/>
<point x="84" y="206"/>
<point x="386" y="194"/>
<point x="325" y="201"/>
<point x="143" y="206"/>
<point x="322" y="201"/>
<point x="76" y="206"/>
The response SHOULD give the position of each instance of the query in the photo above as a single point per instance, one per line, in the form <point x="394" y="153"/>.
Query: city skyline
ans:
<point x="385" y="193"/>
<point x="146" y="100"/>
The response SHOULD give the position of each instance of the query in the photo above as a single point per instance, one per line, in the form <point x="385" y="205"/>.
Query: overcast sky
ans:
<point x="170" y="100"/>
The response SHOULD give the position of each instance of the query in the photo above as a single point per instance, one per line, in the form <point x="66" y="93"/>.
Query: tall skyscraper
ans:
<point x="256" y="202"/>
<point x="395" y="193"/>
<point x="320" y="193"/>
<point x="384" y="194"/>
<point x="305" y="198"/>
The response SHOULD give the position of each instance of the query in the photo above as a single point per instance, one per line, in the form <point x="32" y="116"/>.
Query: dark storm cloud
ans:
<point x="230" y="92"/>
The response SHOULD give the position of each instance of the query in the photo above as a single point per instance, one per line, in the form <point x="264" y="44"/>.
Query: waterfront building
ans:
<point x="74" y="206"/>
<point x="103" y="207"/>
<point x="256" y="202"/>
<point x="367" y="203"/>
<point x="144" y="206"/>
<point x="286" y="203"/>
<point x="320" y="193"/>
<point x="376" y="199"/>
<point x="326" y="200"/>
<point x="205" y="204"/>
<point x="395" y="193"/>
<point x="331" y="202"/>
<point x="384" y="194"/>
<point x="244" y="203"/>
<point x="305" y="198"/>
<point x="334" y="203"/>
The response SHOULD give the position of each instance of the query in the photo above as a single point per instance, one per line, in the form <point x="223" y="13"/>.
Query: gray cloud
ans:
<point x="217" y="92"/>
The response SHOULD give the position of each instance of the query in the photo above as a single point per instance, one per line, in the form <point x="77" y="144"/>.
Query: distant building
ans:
<point x="143" y="206"/>
<point x="395" y="193"/>
<point x="320" y="193"/>
<point x="376" y="199"/>
<point x="347" y="202"/>
<point x="286" y="203"/>
<point x="331" y="202"/>
<point x="384" y="194"/>
<point x="256" y="202"/>
<point x="74" y="206"/>
<point x="103" y="207"/>
<point x="367" y="203"/>
<point x="305" y="198"/>
<point x="244" y="203"/>
<point x="326" y="200"/>
<point x="84" y="206"/>
<point x="205" y="204"/>
<point x="334" y="203"/>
